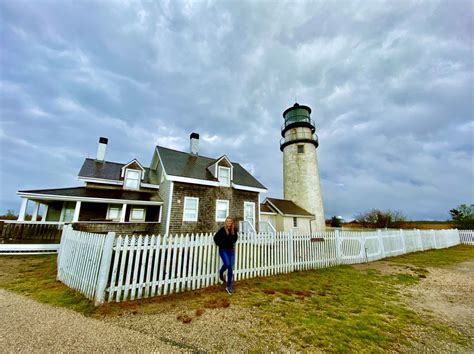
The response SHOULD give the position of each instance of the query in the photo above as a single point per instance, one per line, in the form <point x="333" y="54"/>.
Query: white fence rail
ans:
<point x="26" y="249"/>
<point x="106" y="268"/>
<point x="467" y="237"/>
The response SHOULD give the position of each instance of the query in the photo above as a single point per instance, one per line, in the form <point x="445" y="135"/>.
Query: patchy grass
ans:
<point x="35" y="277"/>
<point x="436" y="258"/>
<point x="334" y="309"/>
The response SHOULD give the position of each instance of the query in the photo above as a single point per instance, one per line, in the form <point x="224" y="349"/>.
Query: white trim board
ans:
<point x="247" y="188"/>
<point x="85" y="199"/>
<point x="100" y="180"/>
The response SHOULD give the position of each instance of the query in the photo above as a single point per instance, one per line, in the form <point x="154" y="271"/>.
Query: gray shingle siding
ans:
<point x="165" y="190"/>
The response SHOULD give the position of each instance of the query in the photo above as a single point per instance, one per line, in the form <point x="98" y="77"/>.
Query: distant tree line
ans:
<point x="462" y="217"/>
<point x="379" y="219"/>
<point x="10" y="215"/>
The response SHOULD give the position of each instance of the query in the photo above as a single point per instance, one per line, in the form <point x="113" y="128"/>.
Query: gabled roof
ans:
<point x="93" y="193"/>
<point x="286" y="207"/>
<point x="131" y="163"/>
<point x="213" y="166"/>
<point x="265" y="208"/>
<point x="92" y="168"/>
<point x="182" y="164"/>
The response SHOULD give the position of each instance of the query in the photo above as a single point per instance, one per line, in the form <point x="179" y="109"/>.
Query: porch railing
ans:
<point x="12" y="231"/>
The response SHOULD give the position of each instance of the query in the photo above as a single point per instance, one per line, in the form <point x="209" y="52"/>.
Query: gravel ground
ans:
<point x="230" y="329"/>
<point x="29" y="326"/>
<point x="446" y="294"/>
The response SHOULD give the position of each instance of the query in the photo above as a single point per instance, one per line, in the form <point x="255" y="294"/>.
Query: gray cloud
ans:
<point x="390" y="85"/>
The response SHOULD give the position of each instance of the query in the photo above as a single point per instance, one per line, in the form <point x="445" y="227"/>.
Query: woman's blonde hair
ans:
<point x="232" y="226"/>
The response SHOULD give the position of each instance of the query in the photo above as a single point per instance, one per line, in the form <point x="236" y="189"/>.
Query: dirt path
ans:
<point x="448" y="295"/>
<point x="29" y="326"/>
<point x="445" y="294"/>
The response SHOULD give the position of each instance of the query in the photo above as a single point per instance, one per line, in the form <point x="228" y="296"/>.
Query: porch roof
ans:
<point x="265" y="208"/>
<point x="93" y="195"/>
<point x="287" y="207"/>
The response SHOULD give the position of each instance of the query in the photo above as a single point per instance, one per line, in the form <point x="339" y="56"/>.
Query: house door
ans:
<point x="249" y="213"/>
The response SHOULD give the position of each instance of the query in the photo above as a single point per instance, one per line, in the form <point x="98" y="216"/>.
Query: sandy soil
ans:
<point x="234" y="329"/>
<point x="27" y="326"/>
<point x="447" y="294"/>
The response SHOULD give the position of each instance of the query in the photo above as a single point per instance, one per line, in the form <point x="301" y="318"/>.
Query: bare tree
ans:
<point x="376" y="218"/>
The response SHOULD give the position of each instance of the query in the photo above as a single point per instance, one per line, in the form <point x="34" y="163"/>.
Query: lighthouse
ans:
<point x="300" y="163"/>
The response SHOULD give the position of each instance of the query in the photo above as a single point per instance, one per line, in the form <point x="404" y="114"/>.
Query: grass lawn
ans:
<point x="334" y="309"/>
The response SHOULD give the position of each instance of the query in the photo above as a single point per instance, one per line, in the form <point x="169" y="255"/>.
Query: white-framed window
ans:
<point x="224" y="176"/>
<point x="113" y="213"/>
<point x="300" y="149"/>
<point x="67" y="213"/>
<point x="137" y="214"/>
<point x="132" y="179"/>
<point x="222" y="210"/>
<point x="191" y="207"/>
<point x="295" y="222"/>
<point x="249" y="212"/>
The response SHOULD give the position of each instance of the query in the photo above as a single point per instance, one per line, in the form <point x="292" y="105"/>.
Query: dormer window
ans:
<point x="224" y="176"/>
<point x="132" y="179"/>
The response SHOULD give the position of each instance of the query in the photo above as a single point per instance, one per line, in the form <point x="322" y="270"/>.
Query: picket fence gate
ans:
<point x="130" y="267"/>
<point x="467" y="237"/>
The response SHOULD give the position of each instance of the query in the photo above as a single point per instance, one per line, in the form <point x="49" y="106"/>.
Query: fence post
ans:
<point x="104" y="269"/>
<point x="364" y="248"/>
<point x="338" y="247"/>
<point x="62" y="244"/>
<point x="290" y="251"/>
<point x="402" y="235"/>
<point x="419" y="241"/>
<point x="382" y="249"/>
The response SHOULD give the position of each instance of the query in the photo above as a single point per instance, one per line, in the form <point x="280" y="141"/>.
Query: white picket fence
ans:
<point x="109" y="268"/>
<point x="467" y="237"/>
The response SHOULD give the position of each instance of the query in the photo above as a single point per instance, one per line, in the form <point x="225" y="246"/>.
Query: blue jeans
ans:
<point x="227" y="257"/>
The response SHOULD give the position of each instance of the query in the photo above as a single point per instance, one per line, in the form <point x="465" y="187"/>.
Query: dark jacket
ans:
<point x="225" y="241"/>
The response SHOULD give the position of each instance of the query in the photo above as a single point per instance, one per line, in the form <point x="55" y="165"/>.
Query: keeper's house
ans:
<point x="180" y="192"/>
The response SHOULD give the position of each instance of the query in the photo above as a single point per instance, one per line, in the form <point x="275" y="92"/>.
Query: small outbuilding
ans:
<point x="285" y="215"/>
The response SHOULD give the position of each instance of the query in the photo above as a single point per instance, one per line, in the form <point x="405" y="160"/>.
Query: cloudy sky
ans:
<point x="390" y="85"/>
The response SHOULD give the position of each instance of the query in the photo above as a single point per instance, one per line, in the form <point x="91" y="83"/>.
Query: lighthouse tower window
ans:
<point x="300" y="149"/>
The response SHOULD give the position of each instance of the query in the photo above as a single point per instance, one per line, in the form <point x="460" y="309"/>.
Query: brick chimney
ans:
<point x="101" y="149"/>
<point x="194" y="144"/>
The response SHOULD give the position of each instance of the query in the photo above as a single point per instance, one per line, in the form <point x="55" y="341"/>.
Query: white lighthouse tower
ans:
<point x="300" y="164"/>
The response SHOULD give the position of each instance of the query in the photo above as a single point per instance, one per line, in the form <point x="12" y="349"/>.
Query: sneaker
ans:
<point x="229" y="291"/>
<point x="221" y="277"/>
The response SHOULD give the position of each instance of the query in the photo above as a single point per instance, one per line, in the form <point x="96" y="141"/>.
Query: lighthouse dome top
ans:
<point x="298" y="109"/>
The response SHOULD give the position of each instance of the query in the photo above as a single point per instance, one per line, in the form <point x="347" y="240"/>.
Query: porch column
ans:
<point x="45" y="213"/>
<point x="36" y="206"/>
<point x="21" y="214"/>
<point x="123" y="213"/>
<point x="75" y="218"/>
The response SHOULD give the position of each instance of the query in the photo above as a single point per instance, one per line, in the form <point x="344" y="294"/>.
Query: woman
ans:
<point x="226" y="238"/>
